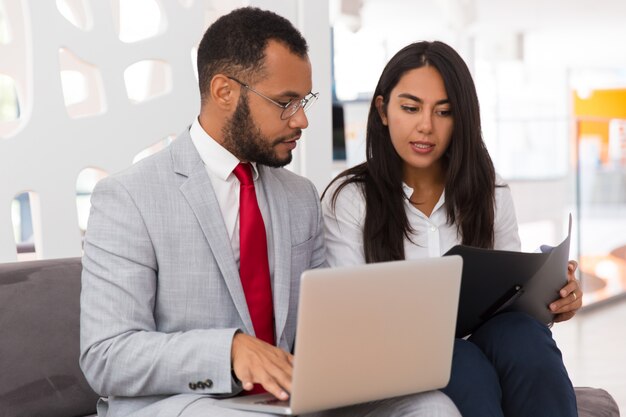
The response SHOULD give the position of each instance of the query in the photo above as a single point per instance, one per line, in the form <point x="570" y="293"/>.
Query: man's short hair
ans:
<point x="235" y="44"/>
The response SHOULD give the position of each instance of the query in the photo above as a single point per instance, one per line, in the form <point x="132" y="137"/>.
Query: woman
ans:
<point x="428" y="184"/>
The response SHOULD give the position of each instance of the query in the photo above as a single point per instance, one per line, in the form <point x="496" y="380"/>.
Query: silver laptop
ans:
<point x="367" y="333"/>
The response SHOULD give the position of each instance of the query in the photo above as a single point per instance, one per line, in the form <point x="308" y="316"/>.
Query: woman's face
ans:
<point x="419" y="118"/>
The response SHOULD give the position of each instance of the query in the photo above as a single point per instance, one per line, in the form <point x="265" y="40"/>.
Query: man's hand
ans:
<point x="257" y="362"/>
<point x="571" y="296"/>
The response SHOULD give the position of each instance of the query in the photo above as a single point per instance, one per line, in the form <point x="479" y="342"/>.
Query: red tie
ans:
<point x="254" y="270"/>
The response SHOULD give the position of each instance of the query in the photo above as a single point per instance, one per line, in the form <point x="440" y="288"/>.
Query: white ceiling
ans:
<point x="499" y="14"/>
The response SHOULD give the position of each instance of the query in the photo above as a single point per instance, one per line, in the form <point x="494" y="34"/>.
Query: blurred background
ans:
<point x="89" y="87"/>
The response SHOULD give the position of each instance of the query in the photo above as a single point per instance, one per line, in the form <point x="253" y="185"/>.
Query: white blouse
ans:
<point x="433" y="236"/>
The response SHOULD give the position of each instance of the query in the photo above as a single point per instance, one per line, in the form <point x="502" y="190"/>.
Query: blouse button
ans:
<point x="433" y="228"/>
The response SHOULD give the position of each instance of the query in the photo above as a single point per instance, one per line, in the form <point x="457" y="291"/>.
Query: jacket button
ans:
<point x="204" y="384"/>
<point x="192" y="386"/>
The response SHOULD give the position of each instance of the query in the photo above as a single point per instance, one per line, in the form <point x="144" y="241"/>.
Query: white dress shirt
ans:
<point x="219" y="164"/>
<point x="432" y="237"/>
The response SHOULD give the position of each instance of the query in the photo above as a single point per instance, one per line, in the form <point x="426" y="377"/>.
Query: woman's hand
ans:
<point x="571" y="296"/>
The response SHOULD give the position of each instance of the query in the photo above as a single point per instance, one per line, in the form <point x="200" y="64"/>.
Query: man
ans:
<point x="193" y="256"/>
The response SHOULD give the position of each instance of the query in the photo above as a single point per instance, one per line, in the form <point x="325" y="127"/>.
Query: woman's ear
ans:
<point x="380" y="106"/>
<point x="222" y="93"/>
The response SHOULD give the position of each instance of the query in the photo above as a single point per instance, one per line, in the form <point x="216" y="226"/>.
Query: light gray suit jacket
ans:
<point x="161" y="296"/>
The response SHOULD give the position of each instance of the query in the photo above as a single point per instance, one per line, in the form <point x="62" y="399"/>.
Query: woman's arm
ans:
<point x="343" y="225"/>
<point x="506" y="235"/>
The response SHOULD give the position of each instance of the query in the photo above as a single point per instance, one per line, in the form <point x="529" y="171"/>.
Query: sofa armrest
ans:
<point x="595" y="402"/>
<point x="39" y="328"/>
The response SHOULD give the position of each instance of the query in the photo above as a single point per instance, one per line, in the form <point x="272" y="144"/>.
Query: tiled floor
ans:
<point x="594" y="348"/>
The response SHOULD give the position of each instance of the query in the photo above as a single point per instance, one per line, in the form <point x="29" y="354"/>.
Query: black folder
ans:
<point x="496" y="281"/>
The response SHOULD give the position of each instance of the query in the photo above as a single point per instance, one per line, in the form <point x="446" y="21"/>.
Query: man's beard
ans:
<point x="244" y="140"/>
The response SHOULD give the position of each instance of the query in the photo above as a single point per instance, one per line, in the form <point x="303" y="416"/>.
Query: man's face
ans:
<point x="255" y="132"/>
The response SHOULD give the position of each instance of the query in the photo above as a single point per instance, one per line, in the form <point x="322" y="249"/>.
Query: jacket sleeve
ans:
<point x="122" y="352"/>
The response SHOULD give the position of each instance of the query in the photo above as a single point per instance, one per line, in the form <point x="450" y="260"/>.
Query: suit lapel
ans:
<point x="198" y="192"/>
<point x="281" y="235"/>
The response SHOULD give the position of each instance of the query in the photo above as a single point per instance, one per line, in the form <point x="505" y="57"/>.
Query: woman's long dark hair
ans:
<point x="469" y="172"/>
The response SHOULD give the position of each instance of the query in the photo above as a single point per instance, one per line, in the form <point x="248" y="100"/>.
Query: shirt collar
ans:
<point x="218" y="160"/>
<point x="408" y="192"/>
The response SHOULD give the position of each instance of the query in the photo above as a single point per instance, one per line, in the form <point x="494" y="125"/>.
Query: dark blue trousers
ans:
<point x="510" y="367"/>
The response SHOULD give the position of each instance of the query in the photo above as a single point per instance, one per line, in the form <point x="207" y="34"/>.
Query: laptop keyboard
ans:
<point x="273" y="401"/>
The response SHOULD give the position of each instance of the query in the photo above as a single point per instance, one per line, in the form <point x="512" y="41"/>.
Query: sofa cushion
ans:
<point x="39" y="340"/>
<point x="595" y="402"/>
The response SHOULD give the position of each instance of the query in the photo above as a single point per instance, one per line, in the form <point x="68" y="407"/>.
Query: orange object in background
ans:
<point x="593" y="115"/>
<point x="601" y="142"/>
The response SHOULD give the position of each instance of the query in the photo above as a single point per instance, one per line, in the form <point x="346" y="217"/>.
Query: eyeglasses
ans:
<point x="290" y="108"/>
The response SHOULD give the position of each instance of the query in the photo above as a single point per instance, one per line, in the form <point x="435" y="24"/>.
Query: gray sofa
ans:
<point x="39" y="345"/>
<point x="39" y="341"/>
